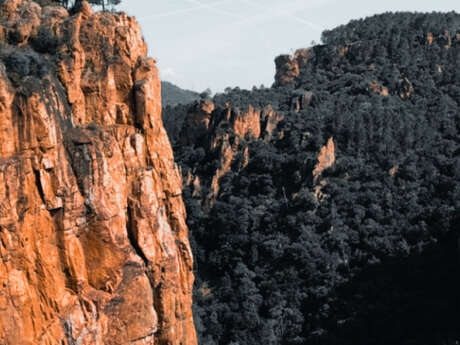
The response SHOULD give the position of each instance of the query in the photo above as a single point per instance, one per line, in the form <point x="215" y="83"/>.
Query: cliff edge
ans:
<point x="93" y="241"/>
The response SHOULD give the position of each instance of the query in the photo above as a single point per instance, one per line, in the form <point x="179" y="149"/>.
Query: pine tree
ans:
<point x="77" y="3"/>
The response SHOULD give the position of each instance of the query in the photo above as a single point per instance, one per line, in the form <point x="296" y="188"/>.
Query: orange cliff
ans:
<point x="93" y="241"/>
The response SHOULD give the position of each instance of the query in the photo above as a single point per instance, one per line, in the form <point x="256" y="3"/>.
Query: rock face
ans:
<point x="326" y="159"/>
<point x="93" y="242"/>
<point x="225" y="133"/>
<point x="288" y="67"/>
<point x="197" y="121"/>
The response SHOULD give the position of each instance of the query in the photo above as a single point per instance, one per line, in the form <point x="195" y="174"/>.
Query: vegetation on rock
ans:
<point x="69" y="4"/>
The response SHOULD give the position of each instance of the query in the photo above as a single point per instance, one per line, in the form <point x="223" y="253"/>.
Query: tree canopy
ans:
<point x="76" y="3"/>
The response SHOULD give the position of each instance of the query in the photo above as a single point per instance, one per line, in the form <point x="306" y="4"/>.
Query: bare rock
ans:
<point x="93" y="241"/>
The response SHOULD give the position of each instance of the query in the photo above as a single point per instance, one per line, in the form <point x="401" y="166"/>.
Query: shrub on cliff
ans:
<point x="23" y="64"/>
<point x="45" y="41"/>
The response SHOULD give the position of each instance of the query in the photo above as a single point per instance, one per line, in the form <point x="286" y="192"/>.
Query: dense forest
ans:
<point x="367" y="251"/>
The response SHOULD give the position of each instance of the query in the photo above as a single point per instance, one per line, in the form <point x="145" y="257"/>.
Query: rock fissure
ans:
<point x="133" y="239"/>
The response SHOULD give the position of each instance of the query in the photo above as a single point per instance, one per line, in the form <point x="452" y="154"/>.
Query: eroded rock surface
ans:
<point x="288" y="67"/>
<point x="226" y="133"/>
<point x="93" y="241"/>
<point x="326" y="159"/>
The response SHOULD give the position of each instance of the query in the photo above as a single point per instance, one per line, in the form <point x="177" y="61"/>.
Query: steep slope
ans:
<point x="93" y="241"/>
<point x="175" y="103"/>
<point x="325" y="210"/>
<point x="173" y="95"/>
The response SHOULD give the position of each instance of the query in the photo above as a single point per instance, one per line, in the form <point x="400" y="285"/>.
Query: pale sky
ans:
<point x="219" y="43"/>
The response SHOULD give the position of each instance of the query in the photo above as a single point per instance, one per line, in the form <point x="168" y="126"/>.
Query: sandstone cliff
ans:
<point x="93" y="240"/>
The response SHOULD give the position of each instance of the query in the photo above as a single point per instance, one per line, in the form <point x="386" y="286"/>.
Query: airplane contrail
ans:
<point x="184" y="10"/>
<point x="308" y="23"/>
<point x="286" y="13"/>
<point x="213" y="7"/>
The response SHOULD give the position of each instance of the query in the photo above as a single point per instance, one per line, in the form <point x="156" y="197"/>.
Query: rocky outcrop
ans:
<point x="301" y="100"/>
<point x="288" y="67"/>
<point x="203" y="119"/>
<point x="429" y="38"/>
<point x="225" y="133"/>
<point x="405" y="88"/>
<point x="197" y="121"/>
<point x="377" y="88"/>
<point x="326" y="158"/>
<point x="93" y="240"/>
<point x="287" y="70"/>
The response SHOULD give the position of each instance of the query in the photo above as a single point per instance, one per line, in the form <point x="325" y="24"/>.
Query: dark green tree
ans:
<point x="77" y="3"/>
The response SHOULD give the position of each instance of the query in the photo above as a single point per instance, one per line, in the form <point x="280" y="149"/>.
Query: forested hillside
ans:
<point x="175" y="103"/>
<point x="173" y="95"/>
<point x="326" y="209"/>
